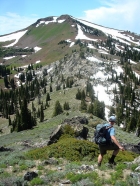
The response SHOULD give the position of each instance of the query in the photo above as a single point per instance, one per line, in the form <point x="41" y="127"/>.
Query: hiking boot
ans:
<point x="99" y="164"/>
<point x="111" y="162"/>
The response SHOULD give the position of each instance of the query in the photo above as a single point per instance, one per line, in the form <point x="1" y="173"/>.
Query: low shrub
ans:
<point x="23" y="167"/>
<point x="37" y="181"/>
<point x="77" y="177"/>
<point x="69" y="148"/>
<point x="76" y="150"/>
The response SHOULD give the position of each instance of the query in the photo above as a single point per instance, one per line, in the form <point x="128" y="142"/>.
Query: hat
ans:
<point x="112" y="118"/>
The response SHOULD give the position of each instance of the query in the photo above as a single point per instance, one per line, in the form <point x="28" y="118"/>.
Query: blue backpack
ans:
<point x="100" y="134"/>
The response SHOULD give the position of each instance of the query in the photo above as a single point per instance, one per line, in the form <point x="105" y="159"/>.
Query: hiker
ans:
<point x="112" y="144"/>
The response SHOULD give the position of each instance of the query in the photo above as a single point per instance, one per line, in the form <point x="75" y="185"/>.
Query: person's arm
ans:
<point x="116" y="142"/>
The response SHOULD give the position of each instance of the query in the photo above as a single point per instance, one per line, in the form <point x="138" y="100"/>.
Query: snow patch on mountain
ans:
<point x="81" y="35"/>
<point x="116" y="34"/>
<point x="72" y="43"/>
<point x="91" y="46"/>
<point x="9" y="57"/>
<point x="37" y="49"/>
<point x="103" y="89"/>
<point x="93" y="59"/>
<point x="38" y="61"/>
<point x="53" y="21"/>
<point x="14" y="36"/>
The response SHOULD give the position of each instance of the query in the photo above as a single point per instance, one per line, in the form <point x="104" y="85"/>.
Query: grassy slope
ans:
<point x="17" y="165"/>
<point x="47" y="37"/>
<point x="42" y="132"/>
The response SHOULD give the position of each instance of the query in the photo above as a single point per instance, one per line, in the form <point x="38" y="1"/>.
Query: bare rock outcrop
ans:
<point x="77" y="123"/>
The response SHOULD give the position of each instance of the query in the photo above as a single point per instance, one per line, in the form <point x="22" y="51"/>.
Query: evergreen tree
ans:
<point x="78" y="94"/>
<point x="99" y="109"/>
<point x="44" y="91"/>
<point x="48" y="97"/>
<point x="6" y="83"/>
<point x="83" y="105"/>
<point x="138" y="127"/>
<point x="23" y="120"/>
<point x="10" y="123"/>
<point x="66" y="106"/>
<point x="83" y="96"/>
<point x="51" y="88"/>
<point x="41" y="113"/>
<point x="90" y="108"/>
<point x="132" y="124"/>
<point x="58" y="109"/>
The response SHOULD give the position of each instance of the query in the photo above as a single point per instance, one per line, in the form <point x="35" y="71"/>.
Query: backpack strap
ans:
<point x="109" y="127"/>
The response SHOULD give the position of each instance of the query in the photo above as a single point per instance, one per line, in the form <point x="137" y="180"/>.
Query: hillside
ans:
<point x="62" y="68"/>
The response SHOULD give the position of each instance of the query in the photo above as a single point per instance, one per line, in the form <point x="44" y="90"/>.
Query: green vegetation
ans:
<point x="69" y="148"/>
<point x="77" y="177"/>
<point x="32" y="112"/>
<point x="75" y="150"/>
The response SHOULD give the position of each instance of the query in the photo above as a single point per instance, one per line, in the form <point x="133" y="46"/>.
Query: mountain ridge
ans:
<point x="59" y="70"/>
<point x="89" y="33"/>
<point x="54" y="38"/>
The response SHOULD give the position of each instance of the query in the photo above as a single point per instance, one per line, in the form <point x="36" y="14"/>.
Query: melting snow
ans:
<point x="136" y="49"/>
<point x="41" y="22"/>
<point x="38" y="61"/>
<point x="93" y="59"/>
<point x="53" y="21"/>
<point x="118" y="69"/>
<point x="61" y="21"/>
<point x="10" y="57"/>
<point x="101" y="93"/>
<point x="72" y="43"/>
<point x="14" y="36"/>
<point x="116" y="34"/>
<point x="68" y="40"/>
<point x="24" y="55"/>
<point x="37" y="49"/>
<point x="103" y="52"/>
<point x="91" y="46"/>
<point x="132" y="62"/>
<point x="80" y="35"/>
<point x="137" y="75"/>
<point x="49" y="69"/>
<point x="17" y="75"/>
<point x="104" y="93"/>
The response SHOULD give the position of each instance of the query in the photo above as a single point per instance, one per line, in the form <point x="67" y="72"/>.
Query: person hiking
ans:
<point x="112" y="143"/>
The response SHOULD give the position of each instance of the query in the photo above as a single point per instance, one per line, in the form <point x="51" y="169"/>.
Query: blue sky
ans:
<point x="119" y="14"/>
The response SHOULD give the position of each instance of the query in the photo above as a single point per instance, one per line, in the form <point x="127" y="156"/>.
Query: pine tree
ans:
<point x="6" y="83"/>
<point x="51" y="88"/>
<point x="99" y="109"/>
<point x="83" y="94"/>
<point x="66" y="106"/>
<point x="138" y="127"/>
<point x="83" y="105"/>
<point x="90" y="108"/>
<point x="78" y="94"/>
<point x="48" y="97"/>
<point x="10" y="123"/>
<point x="41" y="113"/>
<point x="58" y="109"/>
<point x="132" y="124"/>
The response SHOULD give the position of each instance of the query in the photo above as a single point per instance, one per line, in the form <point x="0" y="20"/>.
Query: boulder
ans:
<point x="132" y="148"/>
<point x="30" y="175"/>
<point x="76" y="123"/>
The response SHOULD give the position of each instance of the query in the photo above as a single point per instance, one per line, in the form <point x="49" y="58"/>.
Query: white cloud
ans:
<point x="12" y="22"/>
<point x="119" y="14"/>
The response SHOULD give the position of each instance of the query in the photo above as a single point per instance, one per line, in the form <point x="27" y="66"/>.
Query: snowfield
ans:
<point x="14" y="36"/>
